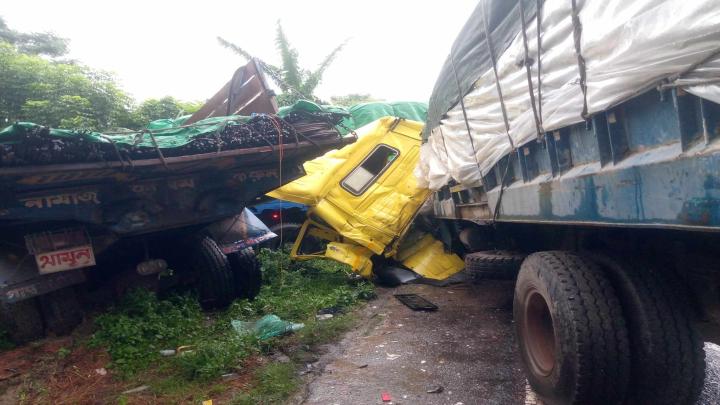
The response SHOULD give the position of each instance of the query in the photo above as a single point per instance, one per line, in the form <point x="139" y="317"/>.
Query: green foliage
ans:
<point x="277" y="382"/>
<point x="34" y="43"/>
<point x="5" y="342"/>
<point x="57" y="94"/>
<point x="141" y="325"/>
<point x="68" y="94"/>
<point x="295" y="82"/>
<point x="154" y="109"/>
<point x="352" y="99"/>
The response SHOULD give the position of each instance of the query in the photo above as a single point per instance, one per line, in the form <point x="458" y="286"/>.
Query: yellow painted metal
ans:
<point x="373" y="217"/>
<point x="429" y="259"/>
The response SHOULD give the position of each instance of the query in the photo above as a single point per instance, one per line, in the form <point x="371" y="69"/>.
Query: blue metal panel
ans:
<point x="648" y="162"/>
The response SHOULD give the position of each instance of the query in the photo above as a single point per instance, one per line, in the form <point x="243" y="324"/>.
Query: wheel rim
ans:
<point x="539" y="336"/>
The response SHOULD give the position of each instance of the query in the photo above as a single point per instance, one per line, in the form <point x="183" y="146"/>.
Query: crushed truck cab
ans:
<point x="363" y="200"/>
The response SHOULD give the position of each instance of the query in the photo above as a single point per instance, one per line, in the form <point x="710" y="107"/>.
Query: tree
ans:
<point x="154" y="109"/>
<point x="352" y="99"/>
<point x="295" y="82"/>
<point x="34" y="43"/>
<point x="57" y="94"/>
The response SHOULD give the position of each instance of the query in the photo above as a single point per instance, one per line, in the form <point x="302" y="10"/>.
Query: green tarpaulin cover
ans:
<point x="169" y="133"/>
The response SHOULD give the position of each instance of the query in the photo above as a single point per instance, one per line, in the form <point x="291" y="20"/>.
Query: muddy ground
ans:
<point x="467" y="347"/>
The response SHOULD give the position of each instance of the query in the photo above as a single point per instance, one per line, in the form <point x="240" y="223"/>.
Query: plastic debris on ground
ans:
<point x="266" y="327"/>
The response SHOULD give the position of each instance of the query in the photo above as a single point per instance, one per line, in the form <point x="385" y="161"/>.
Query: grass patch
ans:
<point x="5" y="342"/>
<point x="141" y="325"/>
<point x="276" y="382"/>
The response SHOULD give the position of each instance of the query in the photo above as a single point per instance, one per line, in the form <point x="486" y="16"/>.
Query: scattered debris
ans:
<point x="392" y="356"/>
<point x="266" y="327"/>
<point x="101" y="371"/>
<point x="138" y="389"/>
<point x="330" y="310"/>
<point x="167" y="352"/>
<point x="230" y="376"/>
<point x="385" y="397"/>
<point x="435" y="390"/>
<point x="363" y="366"/>
<point x="323" y="317"/>
<point x="416" y="302"/>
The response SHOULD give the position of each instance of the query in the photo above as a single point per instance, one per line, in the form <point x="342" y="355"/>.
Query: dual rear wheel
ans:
<point x="597" y="330"/>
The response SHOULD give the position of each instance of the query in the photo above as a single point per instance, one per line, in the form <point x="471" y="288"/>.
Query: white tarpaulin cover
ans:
<point x="629" y="46"/>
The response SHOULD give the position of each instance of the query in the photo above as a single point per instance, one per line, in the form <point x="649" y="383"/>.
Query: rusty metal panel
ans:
<point x="246" y="93"/>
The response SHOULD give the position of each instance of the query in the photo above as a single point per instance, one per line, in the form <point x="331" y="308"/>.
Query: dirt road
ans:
<point x="467" y="347"/>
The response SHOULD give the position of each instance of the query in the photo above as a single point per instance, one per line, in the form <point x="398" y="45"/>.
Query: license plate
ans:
<point x="61" y="250"/>
<point x="65" y="259"/>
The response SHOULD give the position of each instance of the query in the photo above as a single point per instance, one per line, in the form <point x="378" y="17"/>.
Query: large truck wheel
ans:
<point x="61" y="311"/>
<point x="493" y="264"/>
<point x="246" y="273"/>
<point x="668" y="360"/>
<point x="215" y="282"/>
<point x="21" y="321"/>
<point x="572" y="335"/>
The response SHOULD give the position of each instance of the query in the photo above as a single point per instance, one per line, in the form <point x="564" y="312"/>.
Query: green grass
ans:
<point x="141" y="325"/>
<point x="276" y="382"/>
<point x="5" y="342"/>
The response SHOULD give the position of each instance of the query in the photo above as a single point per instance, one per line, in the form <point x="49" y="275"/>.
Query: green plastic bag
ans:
<point x="266" y="327"/>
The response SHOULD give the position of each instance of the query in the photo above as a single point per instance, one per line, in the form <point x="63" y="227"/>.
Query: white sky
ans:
<point x="159" y="48"/>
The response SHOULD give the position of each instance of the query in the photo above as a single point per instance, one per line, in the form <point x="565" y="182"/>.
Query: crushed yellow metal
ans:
<point x="363" y="199"/>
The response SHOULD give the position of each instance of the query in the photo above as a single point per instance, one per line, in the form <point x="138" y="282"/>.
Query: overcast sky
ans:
<point x="158" y="48"/>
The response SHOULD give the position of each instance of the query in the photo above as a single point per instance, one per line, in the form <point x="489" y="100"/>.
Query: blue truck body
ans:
<point x="653" y="161"/>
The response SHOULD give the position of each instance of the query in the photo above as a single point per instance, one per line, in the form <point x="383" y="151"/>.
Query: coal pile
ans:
<point x="318" y="125"/>
<point x="37" y="146"/>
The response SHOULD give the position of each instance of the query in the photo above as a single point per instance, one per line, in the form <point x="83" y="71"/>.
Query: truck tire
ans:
<point x="21" y="321"/>
<point x="668" y="359"/>
<point x="215" y="281"/>
<point x="246" y="273"/>
<point x="571" y="331"/>
<point x="493" y="264"/>
<point x="286" y="234"/>
<point x="61" y="311"/>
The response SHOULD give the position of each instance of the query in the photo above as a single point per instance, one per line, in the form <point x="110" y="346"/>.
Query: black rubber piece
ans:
<point x="215" y="279"/>
<point x="493" y="264"/>
<point x="668" y="359"/>
<point x="61" y="311"/>
<point x="591" y="358"/>
<point x="286" y="234"/>
<point x="247" y="274"/>
<point x="22" y="321"/>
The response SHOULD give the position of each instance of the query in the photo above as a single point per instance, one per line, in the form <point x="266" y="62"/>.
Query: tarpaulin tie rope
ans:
<point x="442" y="136"/>
<point x="491" y="51"/>
<point x="527" y="63"/>
<point x="462" y="105"/>
<point x="577" y="36"/>
<point x="157" y="148"/>
<point x="538" y="21"/>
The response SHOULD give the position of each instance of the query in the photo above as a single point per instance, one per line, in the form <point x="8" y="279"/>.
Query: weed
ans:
<point x="277" y="381"/>
<point x="141" y="325"/>
<point x="63" y="352"/>
<point x="5" y="342"/>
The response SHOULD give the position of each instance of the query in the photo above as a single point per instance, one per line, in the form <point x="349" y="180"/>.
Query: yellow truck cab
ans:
<point x="363" y="199"/>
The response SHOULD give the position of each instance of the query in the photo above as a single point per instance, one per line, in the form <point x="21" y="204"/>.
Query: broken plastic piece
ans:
<point x="385" y="397"/>
<point x="416" y="302"/>
<point x="266" y="327"/>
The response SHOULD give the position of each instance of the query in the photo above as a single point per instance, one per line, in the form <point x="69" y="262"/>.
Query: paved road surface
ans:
<point x="467" y="347"/>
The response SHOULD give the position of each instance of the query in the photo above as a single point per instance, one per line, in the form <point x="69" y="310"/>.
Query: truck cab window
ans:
<point x="370" y="169"/>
